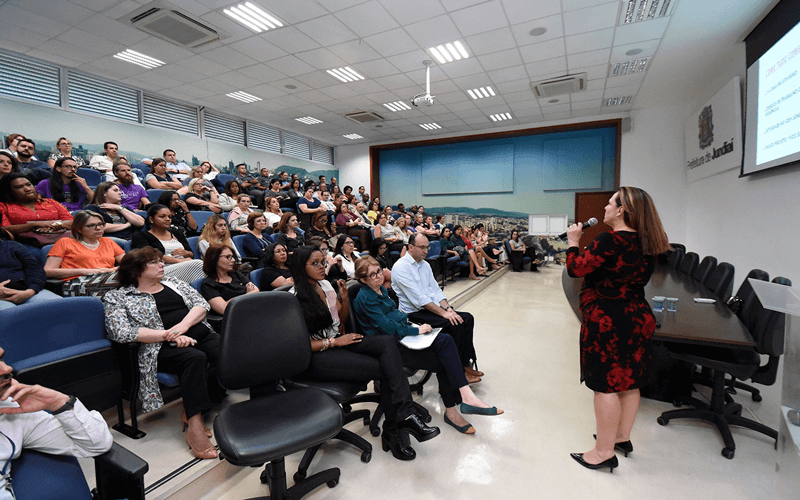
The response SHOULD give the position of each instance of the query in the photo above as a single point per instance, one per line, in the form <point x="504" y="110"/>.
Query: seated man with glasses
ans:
<point x="425" y="303"/>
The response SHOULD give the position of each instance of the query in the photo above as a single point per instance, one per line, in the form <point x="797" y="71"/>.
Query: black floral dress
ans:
<point x="617" y="324"/>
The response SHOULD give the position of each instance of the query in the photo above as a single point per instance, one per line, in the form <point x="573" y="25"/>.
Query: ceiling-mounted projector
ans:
<point x="425" y="99"/>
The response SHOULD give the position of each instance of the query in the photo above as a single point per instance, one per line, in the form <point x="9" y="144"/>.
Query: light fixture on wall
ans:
<point x="139" y="59"/>
<point x="449" y="52"/>
<point x="253" y="17"/>
<point x="308" y="120"/>
<point x="430" y="126"/>
<point x="243" y="96"/>
<point x="481" y="92"/>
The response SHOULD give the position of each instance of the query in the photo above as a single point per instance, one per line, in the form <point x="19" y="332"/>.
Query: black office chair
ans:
<point x="689" y="263"/>
<point x="740" y="363"/>
<point x="675" y="257"/>
<point x="721" y="281"/>
<point x="271" y="424"/>
<point x="704" y="269"/>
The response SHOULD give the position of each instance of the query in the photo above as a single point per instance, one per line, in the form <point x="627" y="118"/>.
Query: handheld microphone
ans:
<point x="589" y="223"/>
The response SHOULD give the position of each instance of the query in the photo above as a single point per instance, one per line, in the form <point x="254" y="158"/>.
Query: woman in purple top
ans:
<point x="65" y="186"/>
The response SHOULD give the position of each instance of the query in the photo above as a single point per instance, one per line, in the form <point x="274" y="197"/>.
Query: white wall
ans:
<point x="353" y="164"/>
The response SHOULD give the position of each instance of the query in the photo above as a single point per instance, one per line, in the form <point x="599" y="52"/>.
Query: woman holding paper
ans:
<point x="377" y="314"/>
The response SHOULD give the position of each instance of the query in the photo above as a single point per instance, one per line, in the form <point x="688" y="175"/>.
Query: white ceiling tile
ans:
<point x="293" y="12"/>
<point x="593" y="104"/>
<point x="558" y="116"/>
<point x="339" y="91"/>
<point x="500" y="60"/>
<point x="552" y="24"/>
<point x="290" y="65"/>
<point x="69" y="51"/>
<point x="599" y="39"/>
<point x="111" y="68"/>
<point x="527" y="111"/>
<point x="472" y="81"/>
<point x="479" y="18"/>
<point x="541" y="51"/>
<point x="554" y="100"/>
<point x="257" y="48"/>
<point x="54" y="58"/>
<point x="558" y="108"/>
<point x="452" y="5"/>
<point x="12" y="14"/>
<point x="321" y="59"/>
<point x="367" y="18"/>
<point x="190" y="90"/>
<point x="583" y="112"/>
<point x="411" y="11"/>
<point x="491" y="41"/>
<point x="648" y="49"/>
<point x="477" y="120"/>
<point x="525" y="95"/>
<point x="469" y="113"/>
<point x="592" y="18"/>
<point x="508" y="74"/>
<point x="335" y="106"/>
<point x="392" y="42"/>
<point x="175" y="72"/>
<point x="463" y="67"/>
<point x="336" y="5"/>
<point x="581" y="4"/>
<point x="539" y="69"/>
<point x="596" y="72"/>
<point x="410" y="61"/>
<point x="67" y="13"/>
<point x="639" y="32"/>
<point x="95" y="5"/>
<point x="362" y="87"/>
<point x="434" y="31"/>
<point x="262" y="73"/>
<point x="13" y="45"/>
<point x="317" y="80"/>
<point x="377" y="68"/>
<point x="290" y="39"/>
<point x="111" y="29"/>
<point x="88" y="41"/>
<point x="622" y="91"/>
<point x="22" y="36"/>
<point x="160" y="49"/>
<point x="520" y="11"/>
<point x="281" y="85"/>
<point x="191" y="6"/>
<point x="354" y="51"/>
<point x="514" y="86"/>
<point x="621" y="81"/>
<point x="313" y="96"/>
<point x="120" y="9"/>
<point x="595" y="85"/>
<point x="456" y="107"/>
<point x="592" y="58"/>
<point x="326" y="30"/>
<point x="229" y="57"/>
<point x="214" y="85"/>
<point x="393" y="82"/>
<point x="237" y="80"/>
<point x="587" y="95"/>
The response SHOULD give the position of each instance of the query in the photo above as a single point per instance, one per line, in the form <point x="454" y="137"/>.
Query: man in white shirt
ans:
<point x="68" y="429"/>
<point x="179" y="170"/>
<point x="105" y="162"/>
<point x="424" y="302"/>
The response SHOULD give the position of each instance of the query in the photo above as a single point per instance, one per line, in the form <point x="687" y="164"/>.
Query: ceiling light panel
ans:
<point x="430" y="126"/>
<point x="618" y="101"/>
<point x="628" y="67"/>
<point x="352" y="136"/>
<point x="449" y="52"/>
<point x="253" y="17"/>
<point x="346" y="74"/>
<point x="308" y="120"/>
<point x="397" y="106"/>
<point x="501" y="117"/>
<point x="481" y="93"/>
<point x="635" y="11"/>
<point x="139" y="59"/>
<point x="243" y="96"/>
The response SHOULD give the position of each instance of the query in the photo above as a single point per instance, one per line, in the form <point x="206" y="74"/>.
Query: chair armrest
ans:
<point x="55" y="285"/>
<point x="128" y="361"/>
<point x="120" y="474"/>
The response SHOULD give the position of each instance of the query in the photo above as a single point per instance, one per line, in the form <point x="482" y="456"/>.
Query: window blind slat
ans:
<point x="170" y="115"/>
<point x="263" y="137"/>
<point x="321" y="153"/>
<point x="296" y="145"/>
<point x="102" y="98"/>
<point x="29" y="80"/>
<point x="224" y="129"/>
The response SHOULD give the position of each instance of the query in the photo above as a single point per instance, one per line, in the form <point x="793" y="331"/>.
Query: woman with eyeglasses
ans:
<point x="378" y="315"/>
<point x="215" y="231"/>
<point x="319" y="226"/>
<point x="275" y="271"/>
<point x="171" y="242"/>
<point x="255" y="242"/>
<point x="66" y="186"/>
<point x="224" y="281"/>
<point x="238" y="216"/>
<point x="120" y="222"/>
<point x="333" y="263"/>
<point x="338" y="355"/>
<point x="87" y="261"/>
<point x="202" y="195"/>
<point x="352" y="225"/>
<point x="288" y="233"/>
<point x="64" y="147"/>
<point x="167" y="316"/>
<point x="28" y="217"/>
<point x="379" y="250"/>
<point x="346" y="249"/>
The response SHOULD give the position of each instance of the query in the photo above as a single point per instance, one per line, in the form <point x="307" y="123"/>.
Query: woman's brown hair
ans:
<point x="284" y="223"/>
<point x="251" y="219"/>
<point x="362" y="266"/>
<point x="212" y="256"/>
<point x="318" y="216"/>
<point x="639" y="213"/>
<point x="133" y="263"/>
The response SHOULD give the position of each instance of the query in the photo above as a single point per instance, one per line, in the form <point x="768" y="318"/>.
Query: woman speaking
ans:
<point x="617" y="323"/>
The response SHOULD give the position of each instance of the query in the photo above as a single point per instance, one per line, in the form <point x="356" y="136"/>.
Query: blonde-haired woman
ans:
<point x="215" y="231"/>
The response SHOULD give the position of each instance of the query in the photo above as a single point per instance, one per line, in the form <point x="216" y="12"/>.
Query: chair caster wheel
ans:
<point x="727" y="453"/>
<point x="757" y="398"/>
<point x="428" y="418"/>
<point x="347" y="408"/>
<point x="366" y="421"/>
<point x="366" y="457"/>
<point x="265" y="477"/>
<point x="332" y="483"/>
<point x="375" y="431"/>
<point x="662" y="421"/>
<point x="298" y="476"/>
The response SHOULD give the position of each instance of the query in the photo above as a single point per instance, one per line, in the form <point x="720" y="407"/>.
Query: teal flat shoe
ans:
<point x="474" y="410"/>
<point x="463" y="429"/>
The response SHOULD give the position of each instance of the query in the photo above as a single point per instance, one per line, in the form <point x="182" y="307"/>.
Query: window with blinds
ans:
<point x="224" y="128"/>
<point x="321" y="153"/>
<point x="29" y="80"/>
<point x="262" y="137"/>
<point x="163" y="113"/>
<point x="99" y="97"/>
<point x="296" y="145"/>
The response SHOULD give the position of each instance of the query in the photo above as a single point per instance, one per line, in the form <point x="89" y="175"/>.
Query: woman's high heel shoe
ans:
<point x="392" y="442"/>
<point x="208" y="453"/>
<point x="611" y="463"/>
<point x="624" y="447"/>
<point x="185" y="422"/>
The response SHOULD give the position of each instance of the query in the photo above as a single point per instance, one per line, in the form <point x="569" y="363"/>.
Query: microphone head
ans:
<point x="589" y="223"/>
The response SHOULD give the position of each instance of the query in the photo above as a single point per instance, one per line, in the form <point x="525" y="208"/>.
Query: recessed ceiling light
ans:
<point x="644" y="10"/>
<point x="449" y="52"/>
<point x="253" y="17"/>
<point x="346" y="74"/>
<point x="397" y="106"/>
<point x="308" y="120"/>
<point x="553" y="101"/>
<point x="353" y="136"/>
<point x="290" y="86"/>
<point x="537" y="31"/>
<point x="628" y="67"/>
<point x="633" y="52"/>
<point x="430" y="126"/>
<point x="243" y="96"/>
<point x="139" y="59"/>
<point x="481" y="92"/>
<point x="500" y="117"/>
<point x="618" y="101"/>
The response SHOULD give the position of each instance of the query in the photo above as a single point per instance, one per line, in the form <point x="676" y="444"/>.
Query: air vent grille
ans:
<point x="365" y="117"/>
<point x="164" y="20"/>
<point x="559" y="86"/>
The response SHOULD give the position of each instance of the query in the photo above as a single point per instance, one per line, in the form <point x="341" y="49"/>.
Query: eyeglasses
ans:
<point x="349" y="243"/>
<point x="318" y="265"/>
<point x="426" y="247"/>
<point x="228" y="256"/>
<point x="375" y="275"/>
<point x="98" y="225"/>
<point x="70" y="167"/>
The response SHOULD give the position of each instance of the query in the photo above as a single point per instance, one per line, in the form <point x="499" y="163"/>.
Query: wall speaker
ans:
<point x="627" y="125"/>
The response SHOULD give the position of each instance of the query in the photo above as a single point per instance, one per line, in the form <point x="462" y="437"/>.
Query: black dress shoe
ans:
<point x="611" y="463"/>
<point x="400" y="451"/>
<point x="414" y="425"/>
<point x="624" y="447"/>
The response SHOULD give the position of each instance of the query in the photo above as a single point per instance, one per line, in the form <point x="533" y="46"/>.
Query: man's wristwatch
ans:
<point x="67" y="406"/>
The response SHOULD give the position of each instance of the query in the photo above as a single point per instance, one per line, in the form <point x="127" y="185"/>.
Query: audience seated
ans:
<point x="64" y="147"/>
<point x="35" y="170"/>
<point x="374" y="211"/>
<point x="334" y="271"/>
<point x="158" y="178"/>
<point x="30" y="219"/>
<point x="308" y="206"/>
<point x="8" y="163"/>
<point x="379" y="251"/>
<point x="120" y="221"/>
<point x="275" y="191"/>
<point x="134" y="195"/>
<point x="178" y="169"/>
<point x="171" y="242"/>
<point x="167" y="316"/>
<point x="275" y="271"/>
<point x="288" y="234"/>
<point x="346" y="249"/>
<point x="295" y="190"/>
<point x="227" y="200"/>
<point x="105" y="162"/>
<point x="87" y="261"/>
<point x="255" y="242"/>
<point x="223" y="281"/>
<point x="361" y="213"/>
<point x="422" y="228"/>
<point x="319" y="226"/>
<point x="22" y="277"/>
<point x="66" y="186"/>
<point x="353" y="225"/>
<point x="202" y="196"/>
<point x="519" y="252"/>
<point x="249" y="184"/>
<point x="481" y="241"/>
<point x="12" y="140"/>
<point x="401" y="232"/>
<point x="238" y="216"/>
<point x="460" y="242"/>
<point x="210" y="173"/>
<point x="273" y="212"/>
<point x="216" y="232"/>
<point x="181" y="215"/>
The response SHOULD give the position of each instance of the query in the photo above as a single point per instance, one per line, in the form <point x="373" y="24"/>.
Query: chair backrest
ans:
<point x="44" y="251"/>
<point x="770" y="328"/>
<point x="223" y="178"/>
<point x="689" y="263"/>
<point x="196" y="284"/>
<point x="238" y="242"/>
<point x="92" y="176"/>
<point x="435" y="249"/>
<point x="255" y="277"/>
<point x="353" y="287"/>
<point x="193" y="245"/>
<point x="748" y="300"/>
<point x="153" y="194"/>
<point x="284" y="288"/>
<point x="721" y="281"/>
<point x="201" y="217"/>
<point x="675" y="257"/>
<point x="264" y="338"/>
<point x="678" y="245"/>
<point x="704" y="269"/>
